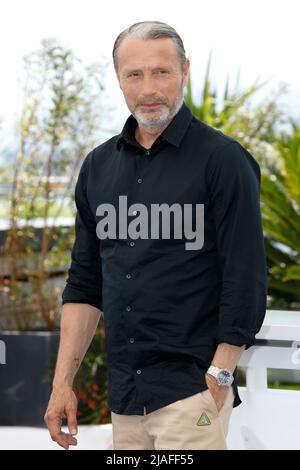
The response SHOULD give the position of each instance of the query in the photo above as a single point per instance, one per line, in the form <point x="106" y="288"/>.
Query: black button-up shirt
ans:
<point x="166" y="308"/>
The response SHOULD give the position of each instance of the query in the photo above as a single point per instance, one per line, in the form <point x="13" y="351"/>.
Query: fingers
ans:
<point x="53" y="422"/>
<point x="65" y="440"/>
<point x="72" y="420"/>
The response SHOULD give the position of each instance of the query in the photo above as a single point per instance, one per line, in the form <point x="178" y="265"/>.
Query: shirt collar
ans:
<point x="174" y="133"/>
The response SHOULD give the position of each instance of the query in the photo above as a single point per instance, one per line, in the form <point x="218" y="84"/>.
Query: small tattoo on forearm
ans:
<point x="76" y="361"/>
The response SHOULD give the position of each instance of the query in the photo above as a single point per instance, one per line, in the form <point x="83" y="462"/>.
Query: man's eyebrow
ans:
<point x="136" y="70"/>
<point x="131" y="70"/>
<point x="161" y="67"/>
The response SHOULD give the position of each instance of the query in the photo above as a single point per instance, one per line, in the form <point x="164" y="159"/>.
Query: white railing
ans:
<point x="279" y="348"/>
<point x="269" y="418"/>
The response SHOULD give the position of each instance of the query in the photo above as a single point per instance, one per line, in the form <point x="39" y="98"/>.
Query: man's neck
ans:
<point x="147" y="136"/>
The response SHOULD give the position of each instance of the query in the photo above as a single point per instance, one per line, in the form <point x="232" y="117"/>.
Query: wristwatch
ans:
<point x="223" y="376"/>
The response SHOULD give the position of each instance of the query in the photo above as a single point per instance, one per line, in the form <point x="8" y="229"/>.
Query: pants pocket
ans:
<point x="211" y="401"/>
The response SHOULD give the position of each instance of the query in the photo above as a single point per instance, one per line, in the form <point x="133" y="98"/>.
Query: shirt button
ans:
<point x="147" y="152"/>
<point x="131" y="340"/>
<point x="140" y="180"/>
<point x="128" y="276"/>
<point x="139" y="371"/>
<point x="128" y="308"/>
<point x="131" y="243"/>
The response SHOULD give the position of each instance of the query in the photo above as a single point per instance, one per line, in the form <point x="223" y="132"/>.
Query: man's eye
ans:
<point x="133" y="74"/>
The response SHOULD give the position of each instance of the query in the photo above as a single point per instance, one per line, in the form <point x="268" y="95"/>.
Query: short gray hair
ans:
<point x="150" y="30"/>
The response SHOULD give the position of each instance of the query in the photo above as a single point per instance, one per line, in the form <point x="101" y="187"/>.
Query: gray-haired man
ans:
<point x="176" y="319"/>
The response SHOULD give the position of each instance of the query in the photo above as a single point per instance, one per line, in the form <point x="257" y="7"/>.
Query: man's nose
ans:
<point x="148" y="86"/>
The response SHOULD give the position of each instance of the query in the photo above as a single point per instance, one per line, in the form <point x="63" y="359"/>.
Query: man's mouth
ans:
<point x="151" y="105"/>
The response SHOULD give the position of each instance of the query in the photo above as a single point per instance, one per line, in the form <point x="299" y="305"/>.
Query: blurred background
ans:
<point x="59" y="98"/>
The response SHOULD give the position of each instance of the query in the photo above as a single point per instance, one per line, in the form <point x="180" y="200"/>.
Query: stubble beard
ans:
<point x="166" y="114"/>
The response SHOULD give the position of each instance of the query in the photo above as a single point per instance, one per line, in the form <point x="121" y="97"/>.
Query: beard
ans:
<point x="163" y="116"/>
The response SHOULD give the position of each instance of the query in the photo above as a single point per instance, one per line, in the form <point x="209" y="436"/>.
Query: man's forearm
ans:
<point x="78" y="326"/>
<point x="227" y="356"/>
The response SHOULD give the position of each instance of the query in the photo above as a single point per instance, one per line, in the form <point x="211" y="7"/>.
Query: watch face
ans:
<point x="224" y="377"/>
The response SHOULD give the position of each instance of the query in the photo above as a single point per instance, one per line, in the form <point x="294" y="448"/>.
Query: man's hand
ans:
<point x="218" y="392"/>
<point x="62" y="404"/>
<point x="226" y="357"/>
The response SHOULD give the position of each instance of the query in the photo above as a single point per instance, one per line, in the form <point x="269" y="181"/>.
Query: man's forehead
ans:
<point x="133" y="50"/>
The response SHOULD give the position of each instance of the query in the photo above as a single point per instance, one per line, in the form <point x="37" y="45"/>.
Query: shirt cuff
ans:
<point x="75" y="295"/>
<point x="237" y="337"/>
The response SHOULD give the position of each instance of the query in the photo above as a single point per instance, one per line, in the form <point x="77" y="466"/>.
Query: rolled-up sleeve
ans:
<point x="233" y="178"/>
<point x="84" y="282"/>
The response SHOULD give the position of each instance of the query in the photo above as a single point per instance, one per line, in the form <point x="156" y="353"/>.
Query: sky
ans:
<point x="259" y="37"/>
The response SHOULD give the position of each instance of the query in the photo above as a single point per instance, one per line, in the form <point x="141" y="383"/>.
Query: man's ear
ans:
<point x="185" y="72"/>
<point x="119" y="81"/>
<point x="118" y="78"/>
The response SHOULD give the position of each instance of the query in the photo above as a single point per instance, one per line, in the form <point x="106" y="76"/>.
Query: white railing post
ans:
<point x="256" y="379"/>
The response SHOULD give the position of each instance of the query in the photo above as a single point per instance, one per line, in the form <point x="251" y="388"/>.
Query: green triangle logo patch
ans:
<point x="204" y="420"/>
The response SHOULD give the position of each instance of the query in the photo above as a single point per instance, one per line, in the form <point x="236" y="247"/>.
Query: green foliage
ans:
<point x="281" y="218"/>
<point x="278" y="153"/>
<point x="59" y="124"/>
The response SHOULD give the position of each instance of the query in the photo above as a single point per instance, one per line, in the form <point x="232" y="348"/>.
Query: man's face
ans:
<point x="151" y="79"/>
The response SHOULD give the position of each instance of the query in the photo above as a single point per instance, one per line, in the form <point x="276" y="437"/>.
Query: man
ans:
<point x="177" y="314"/>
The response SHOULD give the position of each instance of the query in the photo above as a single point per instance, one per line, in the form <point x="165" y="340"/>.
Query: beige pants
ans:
<point x="191" y="423"/>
